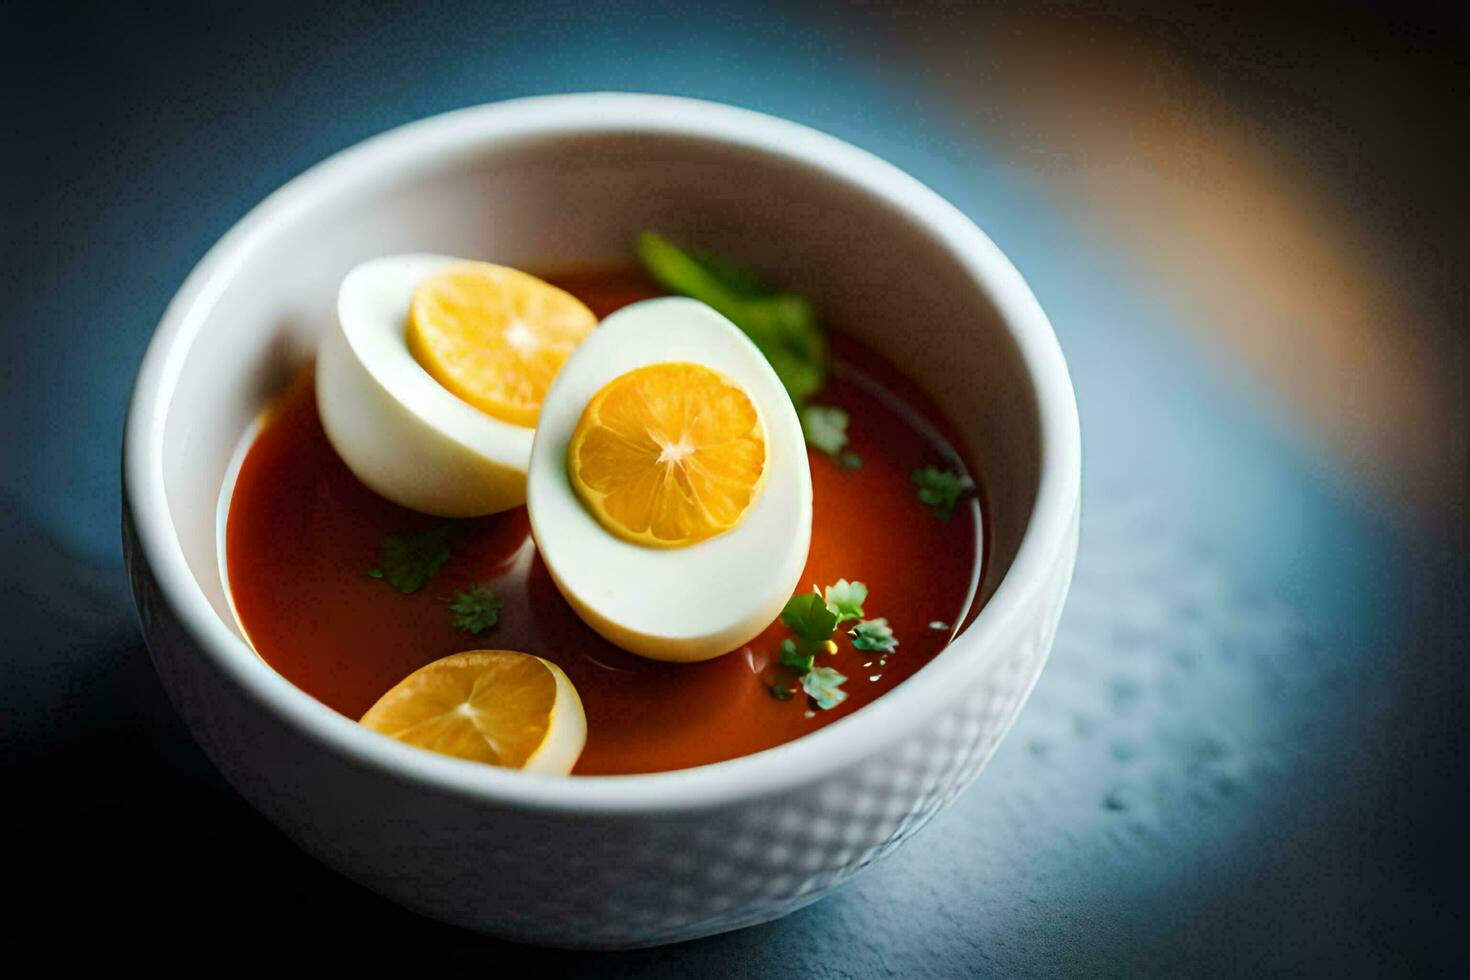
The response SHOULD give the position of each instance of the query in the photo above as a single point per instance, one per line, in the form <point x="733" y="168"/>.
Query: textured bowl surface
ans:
<point x="630" y="860"/>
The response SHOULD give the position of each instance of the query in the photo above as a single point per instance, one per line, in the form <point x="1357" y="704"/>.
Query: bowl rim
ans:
<point x="805" y="761"/>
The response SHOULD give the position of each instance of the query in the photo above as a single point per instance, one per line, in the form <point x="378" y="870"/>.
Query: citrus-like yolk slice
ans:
<point x="495" y="336"/>
<point x="499" y="707"/>
<point x="669" y="455"/>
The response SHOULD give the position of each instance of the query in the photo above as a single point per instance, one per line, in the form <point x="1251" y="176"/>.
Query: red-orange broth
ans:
<point x="302" y="534"/>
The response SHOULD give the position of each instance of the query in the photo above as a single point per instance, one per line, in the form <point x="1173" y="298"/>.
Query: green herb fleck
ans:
<point x="814" y="618"/>
<point x="798" y="658"/>
<point x="807" y="615"/>
<point x="782" y="325"/>
<point x="824" y="685"/>
<point x="850" y="460"/>
<point x="874" y="635"/>
<point x="475" y="610"/>
<point x="781" y="692"/>
<point x="941" y="490"/>
<point x="825" y="428"/>
<point x="408" y="560"/>
<point x="846" y="599"/>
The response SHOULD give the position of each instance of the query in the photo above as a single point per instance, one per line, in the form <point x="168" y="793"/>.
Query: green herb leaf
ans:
<point x="475" y="610"/>
<point x="735" y="278"/>
<point x="408" y="560"/>
<point x="846" y="599"/>
<point x="825" y="428"/>
<point x="782" y="325"/>
<point x="799" y="659"/>
<point x="781" y="692"/>
<point x="807" y="615"/>
<point x="824" y="685"/>
<point x="850" y="460"/>
<point x="874" y="635"/>
<point x="941" y="490"/>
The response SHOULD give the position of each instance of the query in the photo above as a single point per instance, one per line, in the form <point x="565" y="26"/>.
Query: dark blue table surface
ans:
<point x="1244" y="754"/>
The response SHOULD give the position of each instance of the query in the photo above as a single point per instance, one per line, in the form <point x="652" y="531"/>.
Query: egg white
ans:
<point x="682" y="604"/>
<point x="402" y="433"/>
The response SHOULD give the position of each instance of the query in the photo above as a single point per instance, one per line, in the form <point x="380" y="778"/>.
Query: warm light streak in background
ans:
<point x="1243" y="207"/>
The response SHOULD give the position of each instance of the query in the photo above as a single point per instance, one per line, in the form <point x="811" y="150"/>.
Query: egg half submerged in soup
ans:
<point x="813" y="511"/>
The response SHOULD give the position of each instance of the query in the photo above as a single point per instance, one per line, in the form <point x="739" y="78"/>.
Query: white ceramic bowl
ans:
<point x="625" y="860"/>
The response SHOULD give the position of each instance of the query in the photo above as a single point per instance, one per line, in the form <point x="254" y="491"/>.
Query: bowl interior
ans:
<point x="556" y="199"/>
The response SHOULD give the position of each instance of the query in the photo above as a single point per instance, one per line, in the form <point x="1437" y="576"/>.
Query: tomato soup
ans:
<point x="303" y="534"/>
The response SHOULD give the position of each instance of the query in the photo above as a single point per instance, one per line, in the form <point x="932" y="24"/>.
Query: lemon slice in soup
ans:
<point x="431" y="380"/>
<point x="669" y="489"/>
<point x="499" y="707"/>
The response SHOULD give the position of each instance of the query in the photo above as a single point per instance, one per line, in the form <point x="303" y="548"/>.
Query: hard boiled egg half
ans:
<point x="431" y="382"/>
<point x="669" y="490"/>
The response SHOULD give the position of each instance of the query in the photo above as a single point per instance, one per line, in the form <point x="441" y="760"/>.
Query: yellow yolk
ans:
<point x="669" y="455"/>
<point x="494" y="336"/>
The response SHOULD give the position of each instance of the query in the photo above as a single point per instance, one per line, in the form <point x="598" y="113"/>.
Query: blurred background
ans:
<point x="1248" y="225"/>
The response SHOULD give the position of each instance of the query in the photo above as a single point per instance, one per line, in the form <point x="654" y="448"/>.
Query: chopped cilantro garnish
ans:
<point x="941" y="490"/>
<point x="813" y="618"/>
<point x="874" y="635"/>
<point x="807" y="615"/>
<point x="408" y="560"/>
<point x="825" y="428"/>
<point x="845" y="599"/>
<point x="475" y="610"/>
<point x="849" y="460"/>
<point x="781" y="692"/>
<point x="798" y="658"/>
<point x="824" y="685"/>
